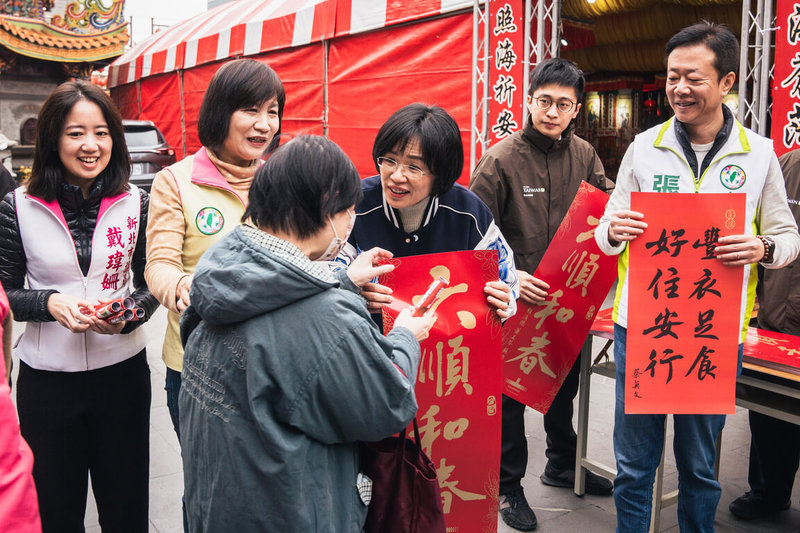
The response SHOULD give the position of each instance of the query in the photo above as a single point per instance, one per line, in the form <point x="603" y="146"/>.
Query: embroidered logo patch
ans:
<point x="209" y="221"/>
<point x="732" y="177"/>
<point x="527" y="190"/>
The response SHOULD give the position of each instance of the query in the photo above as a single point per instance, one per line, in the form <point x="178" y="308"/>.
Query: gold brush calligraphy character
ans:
<point x="426" y="371"/>
<point x="457" y="367"/>
<point x="581" y="269"/>
<point x="549" y="307"/>
<point x="769" y="342"/>
<point x="790" y="351"/>
<point x="450" y="488"/>
<point x="589" y="233"/>
<point x="429" y="428"/>
<point x="528" y="361"/>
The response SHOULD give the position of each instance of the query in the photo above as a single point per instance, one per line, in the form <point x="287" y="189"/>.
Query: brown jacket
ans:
<point x="529" y="181"/>
<point x="779" y="289"/>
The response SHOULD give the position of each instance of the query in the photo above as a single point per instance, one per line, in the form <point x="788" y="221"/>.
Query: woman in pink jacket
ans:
<point x="19" y="511"/>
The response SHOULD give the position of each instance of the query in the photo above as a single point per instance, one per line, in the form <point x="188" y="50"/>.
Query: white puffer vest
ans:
<point x="52" y="263"/>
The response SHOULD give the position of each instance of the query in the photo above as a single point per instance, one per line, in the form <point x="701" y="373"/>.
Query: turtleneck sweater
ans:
<point x="411" y="216"/>
<point x="239" y="178"/>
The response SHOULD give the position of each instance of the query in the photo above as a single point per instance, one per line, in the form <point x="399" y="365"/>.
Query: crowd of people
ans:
<point x="268" y="258"/>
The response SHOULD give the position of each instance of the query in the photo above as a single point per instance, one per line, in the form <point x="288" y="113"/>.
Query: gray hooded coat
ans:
<point x="284" y="371"/>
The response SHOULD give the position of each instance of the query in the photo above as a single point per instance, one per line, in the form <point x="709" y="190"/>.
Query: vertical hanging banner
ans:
<point x="684" y="306"/>
<point x="786" y="82"/>
<point x="506" y="68"/>
<point x="458" y="383"/>
<point x="541" y="342"/>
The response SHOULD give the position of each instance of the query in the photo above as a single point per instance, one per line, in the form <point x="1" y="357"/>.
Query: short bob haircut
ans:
<point x="301" y="184"/>
<point x="717" y="37"/>
<point x="237" y="85"/>
<point x="47" y="172"/>
<point x="558" y="71"/>
<point x="439" y="142"/>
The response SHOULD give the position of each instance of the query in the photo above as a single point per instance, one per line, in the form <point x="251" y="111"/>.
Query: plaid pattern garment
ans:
<point x="288" y="252"/>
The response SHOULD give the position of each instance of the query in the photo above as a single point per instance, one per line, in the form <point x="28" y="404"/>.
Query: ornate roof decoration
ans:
<point x="35" y="38"/>
<point x="90" y="16"/>
<point x="25" y="8"/>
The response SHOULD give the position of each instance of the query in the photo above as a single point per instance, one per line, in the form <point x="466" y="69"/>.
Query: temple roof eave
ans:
<point x="40" y="40"/>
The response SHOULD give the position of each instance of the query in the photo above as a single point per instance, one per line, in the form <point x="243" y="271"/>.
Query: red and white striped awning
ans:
<point x="248" y="27"/>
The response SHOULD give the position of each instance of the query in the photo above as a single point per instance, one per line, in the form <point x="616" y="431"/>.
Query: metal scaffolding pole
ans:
<point x="546" y="44"/>
<point x="480" y="81"/>
<point x="758" y="27"/>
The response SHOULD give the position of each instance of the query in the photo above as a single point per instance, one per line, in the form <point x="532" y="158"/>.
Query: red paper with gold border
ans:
<point x="771" y="349"/>
<point x="679" y="298"/>
<point x="541" y="342"/>
<point x="458" y="382"/>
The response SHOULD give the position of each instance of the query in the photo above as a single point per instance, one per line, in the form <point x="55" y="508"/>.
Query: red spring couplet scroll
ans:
<point x="684" y="305"/>
<point x="541" y="342"/>
<point x="458" y="382"/>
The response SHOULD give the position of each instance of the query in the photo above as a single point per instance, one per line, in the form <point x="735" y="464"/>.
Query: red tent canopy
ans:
<point x="346" y="65"/>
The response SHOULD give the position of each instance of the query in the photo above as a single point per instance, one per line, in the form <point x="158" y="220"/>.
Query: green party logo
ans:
<point x="732" y="177"/>
<point x="209" y="221"/>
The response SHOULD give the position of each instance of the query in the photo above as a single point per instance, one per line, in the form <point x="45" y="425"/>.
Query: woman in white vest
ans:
<point x="75" y="234"/>
<point x="200" y="199"/>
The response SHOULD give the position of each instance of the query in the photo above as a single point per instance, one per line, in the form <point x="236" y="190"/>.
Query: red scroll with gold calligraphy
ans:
<point x="458" y="382"/>
<point x="541" y="342"/>
<point x="786" y="84"/>
<point x="684" y="306"/>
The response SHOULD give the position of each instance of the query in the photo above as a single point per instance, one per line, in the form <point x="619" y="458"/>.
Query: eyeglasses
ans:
<point x="390" y="165"/>
<point x="564" y="106"/>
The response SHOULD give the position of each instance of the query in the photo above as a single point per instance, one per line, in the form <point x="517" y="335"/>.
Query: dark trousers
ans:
<point x="172" y="385"/>
<point x="561" y="437"/>
<point x="94" y="423"/>
<point x="774" y="457"/>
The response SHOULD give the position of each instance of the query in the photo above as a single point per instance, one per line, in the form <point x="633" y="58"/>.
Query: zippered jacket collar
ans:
<point x="686" y="145"/>
<point x="545" y="143"/>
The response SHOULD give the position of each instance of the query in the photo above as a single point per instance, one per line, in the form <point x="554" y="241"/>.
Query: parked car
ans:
<point x="149" y="151"/>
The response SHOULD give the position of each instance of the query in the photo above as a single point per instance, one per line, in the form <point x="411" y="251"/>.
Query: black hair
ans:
<point x="301" y="184"/>
<point x="717" y="37"/>
<point x="439" y="141"/>
<point x="47" y="172"/>
<point x="238" y="84"/>
<point x="558" y="71"/>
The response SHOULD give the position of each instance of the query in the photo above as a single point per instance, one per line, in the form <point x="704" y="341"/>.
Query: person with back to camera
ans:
<point x="75" y="233"/>
<point x="696" y="145"/>
<point x="200" y="199"/>
<point x="284" y="370"/>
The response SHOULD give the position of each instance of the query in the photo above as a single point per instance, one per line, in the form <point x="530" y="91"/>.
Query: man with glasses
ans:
<point x="529" y="180"/>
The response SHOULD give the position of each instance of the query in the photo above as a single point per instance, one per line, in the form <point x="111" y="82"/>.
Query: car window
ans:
<point x="147" y="137"/>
